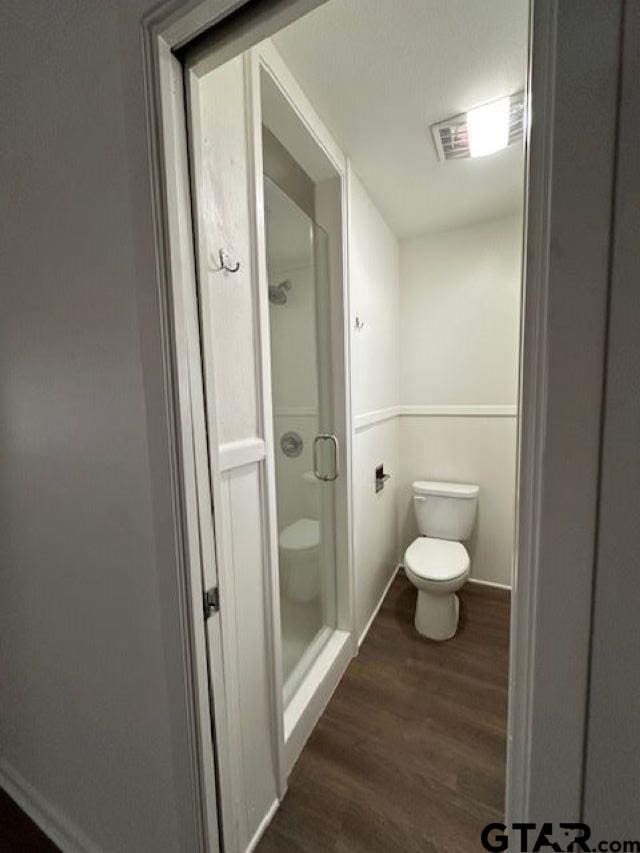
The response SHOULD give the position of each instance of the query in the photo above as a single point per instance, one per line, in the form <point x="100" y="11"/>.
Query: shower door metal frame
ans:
<point x="264" y="59"/>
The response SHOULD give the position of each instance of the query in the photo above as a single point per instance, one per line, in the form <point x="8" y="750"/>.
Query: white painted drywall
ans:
<point x="459" y="321"/>
<point x="94" y="726"/>
<point x="374" y="282"/>
<point x="460" y="314"/>
<point x="375" y="294"/>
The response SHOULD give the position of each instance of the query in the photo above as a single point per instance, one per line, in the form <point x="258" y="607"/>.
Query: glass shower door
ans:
<point x="306" y="451"/>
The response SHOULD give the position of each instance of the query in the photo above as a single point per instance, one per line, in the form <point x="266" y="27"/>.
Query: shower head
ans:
<point x="278" y="292"/>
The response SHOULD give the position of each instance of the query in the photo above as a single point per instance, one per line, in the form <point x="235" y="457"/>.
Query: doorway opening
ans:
<point x="357" y="324"/>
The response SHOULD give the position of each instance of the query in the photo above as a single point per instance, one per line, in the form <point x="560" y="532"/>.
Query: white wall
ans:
<point x="460" y="313"/>
<point x="374" y="281"/>
<point x="375" y="293"/>
<point x="459" y="321"/>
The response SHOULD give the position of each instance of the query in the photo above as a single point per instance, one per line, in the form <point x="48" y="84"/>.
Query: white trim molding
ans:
<point x="56" y="826"/>
<point x="376" y="609"/>
<point x="492" y="584"/>
<point x="379" y="416"/>
<point x="236" y="454"/>
<point x="260" y="831"/>
<point x="475" y="410"/>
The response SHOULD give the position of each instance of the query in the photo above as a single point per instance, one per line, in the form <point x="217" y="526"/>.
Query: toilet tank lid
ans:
<point x="445" y="490"/>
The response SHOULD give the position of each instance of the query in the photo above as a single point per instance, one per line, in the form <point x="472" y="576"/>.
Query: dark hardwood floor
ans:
<point x="408" y="756"/>
<point x="18" y="833"/>
<point x="410" y="753"/>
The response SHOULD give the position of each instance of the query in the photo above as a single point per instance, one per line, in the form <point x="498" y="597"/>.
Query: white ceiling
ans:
<point x="380" y="72"/>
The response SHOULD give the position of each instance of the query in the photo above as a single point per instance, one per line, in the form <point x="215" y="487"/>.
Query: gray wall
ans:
<point x="93" y="715"/>
<point x="612" y="779"/>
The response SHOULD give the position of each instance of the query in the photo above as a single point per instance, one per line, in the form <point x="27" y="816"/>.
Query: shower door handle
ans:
<point x="326" y="436"/>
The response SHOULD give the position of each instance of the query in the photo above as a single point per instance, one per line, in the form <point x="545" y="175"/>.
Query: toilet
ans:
<point x="299" y="546"/>
<point x="437" y="563"/>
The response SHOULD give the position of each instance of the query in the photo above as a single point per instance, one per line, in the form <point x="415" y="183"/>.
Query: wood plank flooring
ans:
<point x="410" y="753"/>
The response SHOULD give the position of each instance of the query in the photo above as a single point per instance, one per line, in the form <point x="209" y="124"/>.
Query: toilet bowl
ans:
<point x="299" y="547"/>
<point x="437" y="563"/>
<point x="438" y="568"/>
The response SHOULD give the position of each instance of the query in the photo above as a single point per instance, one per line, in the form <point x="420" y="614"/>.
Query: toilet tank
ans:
<point x="445" y="510"/>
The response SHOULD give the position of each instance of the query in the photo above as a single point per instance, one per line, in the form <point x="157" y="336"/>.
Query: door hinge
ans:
<point x="211" y="602"/>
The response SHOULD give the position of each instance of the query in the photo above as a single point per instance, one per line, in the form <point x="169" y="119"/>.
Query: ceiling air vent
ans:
<point x="451" y="137"/>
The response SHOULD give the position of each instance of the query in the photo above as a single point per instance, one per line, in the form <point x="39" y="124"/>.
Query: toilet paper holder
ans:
<point x="381" y="478"/>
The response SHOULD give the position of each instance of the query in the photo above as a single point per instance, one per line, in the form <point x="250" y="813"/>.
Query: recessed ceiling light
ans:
<point x="481" y="131"/>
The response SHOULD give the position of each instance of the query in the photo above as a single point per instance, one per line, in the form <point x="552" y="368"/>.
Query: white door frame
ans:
<point x="567" y="256"/>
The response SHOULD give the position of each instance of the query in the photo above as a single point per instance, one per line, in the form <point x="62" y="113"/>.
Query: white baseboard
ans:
<point x="378" y="606"/>
<point x="68" y="837"/>
<point x="477" y="581"/>
<point x="489" y="583"/>
<point x="266" y="820"/>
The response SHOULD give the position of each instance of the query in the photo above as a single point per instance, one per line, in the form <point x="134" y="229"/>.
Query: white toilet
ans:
<point x="300" y="559"/>
<point x="437" y="563"/>
<point x="299" y="546"/>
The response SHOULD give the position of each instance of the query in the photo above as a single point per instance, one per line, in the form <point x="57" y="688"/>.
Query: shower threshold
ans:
<point x="305" y="703"/>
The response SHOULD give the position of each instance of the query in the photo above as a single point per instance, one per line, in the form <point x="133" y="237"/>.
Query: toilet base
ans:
<point x="437" y="615"/>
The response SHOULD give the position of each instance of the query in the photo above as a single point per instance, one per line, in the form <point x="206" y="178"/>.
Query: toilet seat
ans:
<point x="436" y="559"/>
